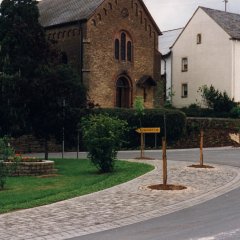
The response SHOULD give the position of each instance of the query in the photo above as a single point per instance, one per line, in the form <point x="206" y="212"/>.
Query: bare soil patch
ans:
<point x="200" y="166"/>
<point x="170" y="187"/>
<point x="144" y="158"/>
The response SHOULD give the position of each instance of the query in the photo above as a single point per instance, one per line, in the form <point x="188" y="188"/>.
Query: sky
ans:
<point x="172" y="14"/>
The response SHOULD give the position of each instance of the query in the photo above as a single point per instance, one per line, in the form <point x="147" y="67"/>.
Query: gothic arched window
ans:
<point x="129" y="51"/>
<point x="123" y="47"/>
<point x="117" y="49"/>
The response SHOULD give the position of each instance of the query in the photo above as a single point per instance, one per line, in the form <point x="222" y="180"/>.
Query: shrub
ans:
<point x="103" y="136"/>
<point x="216" y="100"/>
<point x="6" y="151"/>
<point x="235" y="112"/>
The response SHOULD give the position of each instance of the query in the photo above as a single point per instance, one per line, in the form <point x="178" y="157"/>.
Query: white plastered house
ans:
<point x="167" y="39"/>
<point x="207" y="52"/>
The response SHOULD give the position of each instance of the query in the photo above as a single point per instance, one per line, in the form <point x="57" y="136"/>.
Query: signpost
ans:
<point x="143" y="131"/>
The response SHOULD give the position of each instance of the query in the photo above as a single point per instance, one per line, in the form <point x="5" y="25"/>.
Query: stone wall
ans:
<point x="216" y="133"/>
<point x="33" y="168"/>
<point x="28" y="144"/>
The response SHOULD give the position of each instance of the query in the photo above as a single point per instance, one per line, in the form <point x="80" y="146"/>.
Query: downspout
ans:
<point x="233" y="70"/>
<point x="165" y="73"/>
<point x="81" y="51"/>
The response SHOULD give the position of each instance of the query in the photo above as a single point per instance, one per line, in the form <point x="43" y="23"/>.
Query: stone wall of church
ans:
<point x="67" y="40"/>
<point x="101" y="67"/>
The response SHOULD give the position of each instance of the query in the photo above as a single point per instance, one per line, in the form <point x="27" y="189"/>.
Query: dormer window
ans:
<point x="199" y="38"/>
<point x="123" y="47"/>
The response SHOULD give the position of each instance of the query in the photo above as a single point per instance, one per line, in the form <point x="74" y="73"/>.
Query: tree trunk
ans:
<point x="46" y="149"/>
<point x="201" y="147"/>
<point x="164" y="158"/>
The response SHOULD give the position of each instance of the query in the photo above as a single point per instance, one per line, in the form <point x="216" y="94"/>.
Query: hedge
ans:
<point x="208" y="113"/>
<point x="175" y="124"/>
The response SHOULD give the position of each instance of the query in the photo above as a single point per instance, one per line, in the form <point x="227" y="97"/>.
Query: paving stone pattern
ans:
<point x="122" y="205"/>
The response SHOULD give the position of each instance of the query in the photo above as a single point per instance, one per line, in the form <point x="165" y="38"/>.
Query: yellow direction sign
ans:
<point x="148" y="130"/>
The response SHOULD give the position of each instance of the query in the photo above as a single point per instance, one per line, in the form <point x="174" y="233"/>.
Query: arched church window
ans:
<point x="129" y="51"/>
<point x="123" y="47"/>
<point x="117" y="49"/>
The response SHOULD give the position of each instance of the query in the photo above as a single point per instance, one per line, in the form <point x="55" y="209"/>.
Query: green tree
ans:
<point x="38" y="94"/>
<point x="138" y="106"/>
<point x="12" y="110"/>
<point x="22" y="39"/>
<point x="23" y="48"/>
<point x="57" y="96"/>
<point x="103" y="137"/>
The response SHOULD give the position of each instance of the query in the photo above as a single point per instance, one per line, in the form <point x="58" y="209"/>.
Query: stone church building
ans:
<point x="113" y="44"/>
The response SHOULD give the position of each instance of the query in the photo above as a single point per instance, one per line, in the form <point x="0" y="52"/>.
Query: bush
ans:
<point x="175" y="124"/>
<point x="235" y="112"/>
<point x="103" y="136"/>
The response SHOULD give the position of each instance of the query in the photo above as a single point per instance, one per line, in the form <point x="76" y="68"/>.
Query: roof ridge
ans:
<point x="217" y="10"/>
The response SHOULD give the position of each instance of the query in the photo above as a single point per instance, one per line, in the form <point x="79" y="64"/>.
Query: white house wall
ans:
<point x="208" y="63"/>
<point x="166" y="67"/>
<point x="236" y="70"/>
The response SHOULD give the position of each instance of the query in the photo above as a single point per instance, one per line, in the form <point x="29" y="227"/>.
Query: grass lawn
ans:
<point x="75" y="178"/>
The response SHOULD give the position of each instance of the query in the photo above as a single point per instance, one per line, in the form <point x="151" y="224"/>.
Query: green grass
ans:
<point x="74" y="178"/>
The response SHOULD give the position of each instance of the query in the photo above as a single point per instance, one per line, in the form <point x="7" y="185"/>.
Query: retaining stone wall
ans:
<point x="33" y="168"/>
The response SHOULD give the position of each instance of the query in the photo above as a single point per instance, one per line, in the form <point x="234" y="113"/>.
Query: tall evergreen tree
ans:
<point x="22" y="39"/>
<point x="33" y="87"/>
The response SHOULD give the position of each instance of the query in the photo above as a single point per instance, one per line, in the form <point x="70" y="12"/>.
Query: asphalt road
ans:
<point x="217" y="219"/>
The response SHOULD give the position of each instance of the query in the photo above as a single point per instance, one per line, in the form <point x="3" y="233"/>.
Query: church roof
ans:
<point x="55" y="12"/>
<point x="230" y="22"/>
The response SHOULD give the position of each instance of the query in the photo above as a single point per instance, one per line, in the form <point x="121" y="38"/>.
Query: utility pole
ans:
<point x="226" y="2"/>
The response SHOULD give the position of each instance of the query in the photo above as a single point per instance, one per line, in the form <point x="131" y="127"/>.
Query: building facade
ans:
<point x="167" y="39"/>
<point x="207" y="52"/>
<point x="113" y="44"/>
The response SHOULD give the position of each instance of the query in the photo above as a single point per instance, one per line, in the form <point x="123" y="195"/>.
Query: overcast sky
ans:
<point x="172" y="14"/>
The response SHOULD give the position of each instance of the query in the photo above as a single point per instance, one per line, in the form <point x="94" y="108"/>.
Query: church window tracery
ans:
<point x="123" y="47"/>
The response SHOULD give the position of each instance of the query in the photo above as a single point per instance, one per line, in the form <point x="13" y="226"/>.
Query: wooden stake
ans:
<point x="201" y="147"/>
<point x="142" y="145"/>
<point x="164" y="158"/>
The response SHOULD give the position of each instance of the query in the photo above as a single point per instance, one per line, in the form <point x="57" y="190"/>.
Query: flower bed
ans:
<point x="30" y="168"/>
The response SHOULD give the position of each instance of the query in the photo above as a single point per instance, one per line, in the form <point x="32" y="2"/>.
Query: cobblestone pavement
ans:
<point x="122" y="205"/>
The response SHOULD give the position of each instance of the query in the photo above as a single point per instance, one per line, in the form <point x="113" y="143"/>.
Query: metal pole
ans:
<point x="225" y="1"/>
<point x="77" y="144"/>
<point x="63" y="130"/>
